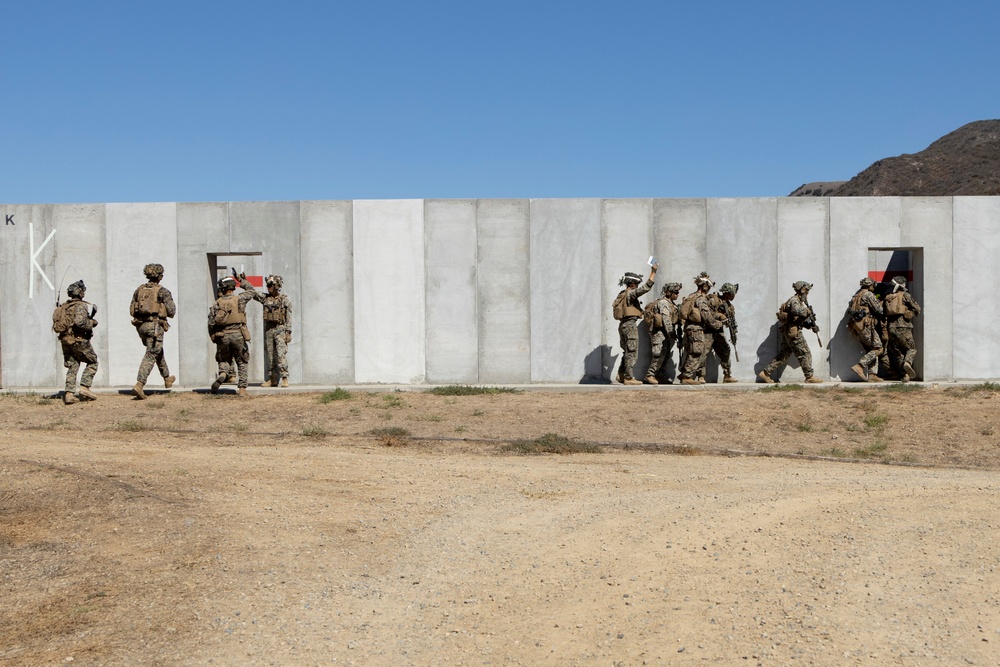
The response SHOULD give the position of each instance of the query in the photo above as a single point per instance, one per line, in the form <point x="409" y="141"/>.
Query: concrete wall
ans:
<point x="490" y="291"/>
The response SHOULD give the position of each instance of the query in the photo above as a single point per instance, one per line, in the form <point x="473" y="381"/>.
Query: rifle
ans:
<point x="731" y="325"/>
<point x="810" y="323"/>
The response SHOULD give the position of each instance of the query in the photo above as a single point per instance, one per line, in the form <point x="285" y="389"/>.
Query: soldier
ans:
<point x="699" y="317"/>
<point x="151" y="305"/>
<point x="74" y="322"/>
<point x="900" y="309"/>
<point x="861" y="321"/>
<point x="627" y="309"/>
<point x="722" y="303"/>
<point x="794" y="315"/>
<point x="227" y="326"/>
<point x="663" y="319"/>
<point x="277" y="331"/>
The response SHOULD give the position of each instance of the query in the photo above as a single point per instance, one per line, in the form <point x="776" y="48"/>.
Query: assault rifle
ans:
<point x="810" y="323"/>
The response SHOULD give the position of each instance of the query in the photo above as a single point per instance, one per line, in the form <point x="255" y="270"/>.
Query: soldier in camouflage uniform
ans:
<point x="228" y="330"/>
<point x="794" y="315"/>
<point x="151" y="305"/>
<point x="76" y="347"/>
<point x="663" y="333"/>
<point x="900" y="309"/>
<point x="722" y="303"/>
<point x="862" y="321"/>
<point x="702" y="318"/>
<point x="628" y="309"/>
<point x="277" y="331"/>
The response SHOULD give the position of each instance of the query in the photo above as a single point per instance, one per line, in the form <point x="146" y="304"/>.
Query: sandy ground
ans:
<point x="821" y="526"/>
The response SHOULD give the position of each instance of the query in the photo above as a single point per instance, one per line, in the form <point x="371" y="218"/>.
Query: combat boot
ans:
<point x="874" y="378"/>
<point x="168" y="381"/>
<point x="86" y="393"/>
<point x="631" y="381"/>
<point x="812" y="379"/>
<point x="218" y="383"/>
<point x="908" y="372"/>
<point x="139" y="393"/>
<point x="689" y="381"/>
<point x="267" y="383"/>
<point x="231" y="379"/>
<point x="284" y="382"/>
<point x="729" y="378"/>
<point x="859" y="371"/>
<point x="242" y="393"/>
<point x="650" y="379"/>
<point x="764" y="377"/>
<point x="620" y="378"/>
<point x="69" y="398"/>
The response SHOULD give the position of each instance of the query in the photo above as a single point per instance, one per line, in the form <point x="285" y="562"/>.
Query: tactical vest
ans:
<point x="227" y="311"/>
<point x="858" y="315"/>
<point x="895" y="305"/>
<point x="147" y="302"/>
<point x="689" y="311"/>
<point x="274" y="310"/>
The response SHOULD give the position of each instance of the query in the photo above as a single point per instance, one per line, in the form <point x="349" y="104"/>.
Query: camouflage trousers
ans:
<point x="696" y="348"/>
<point x="791" y="341"/>
<point x="151" y="335"/>
<point x="662" y="343"/>
<point x="872" y="342"/>
<point x="720" y="345"/>
<point x="229" y="348"/>
<point x="276" y="351"/>
<point x="902" y="349"/>
<point x="628" y="337"/>
<point x="75" y="353"/>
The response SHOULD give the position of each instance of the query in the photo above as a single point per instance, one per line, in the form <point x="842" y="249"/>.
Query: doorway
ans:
<point x="884" y="264"/>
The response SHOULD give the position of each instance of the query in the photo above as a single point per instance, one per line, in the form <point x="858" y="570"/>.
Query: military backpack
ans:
<point x="62" y="319"/>
<point x="652" y="316"/>
<point x="147" y="302"/>
<point x="895" y="305"/>
<point x="690" y="312"/>
<point x="858" y="316"/>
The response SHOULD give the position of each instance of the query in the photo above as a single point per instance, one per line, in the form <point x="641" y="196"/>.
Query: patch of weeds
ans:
<point x="478" y="413"/>
<point x="51" y="426"/>
<point x="391" y="401"/>
<point x="315" y="430"/>
<point x="781" y="387"/>
<point x="851" y="390"/>
<point x="466" y="390"/>
<point x="431" y="418"/>
<point x="836" y="452"/>
<point x="551" y="443"/>
<point x="241" y="427"/>
<point x="805" y="427"/>
<point x="876" y="421"/>
<point x="355" y="411"/>
<point x="986" y="430"/>
<point x="851" y="428"/>
<point x="129" y="425"/>
<point x="338" y="394"/>
<point x="874" y="450"/>
<point x="974" y="389"/>
<point x="902" y="387"/>
<point x="907" y="458"/>
<point x="391" y="436"/>
<point x="461" y="429"/>
<point x="686" y="450"/>
<point x="184" y="412"/>
<point x="156" y="405"/>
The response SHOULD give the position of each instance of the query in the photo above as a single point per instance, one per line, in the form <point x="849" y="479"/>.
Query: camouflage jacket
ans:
<point x="162" y="296"/>
<point x="245" y="297"/>
<point x="277" y="309"/>
<point x="903" y="321"/>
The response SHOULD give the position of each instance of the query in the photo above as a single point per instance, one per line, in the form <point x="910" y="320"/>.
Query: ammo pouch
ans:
<point x="245" y="331"/>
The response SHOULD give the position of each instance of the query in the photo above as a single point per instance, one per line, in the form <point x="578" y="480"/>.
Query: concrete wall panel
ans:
<point x="324" y="322"/>
<point x="927" y="223"/>
<point x="271" y="229"/>
<point x="627" y="236"/>
<point x="503" y="279"/>
<point x="680" y="227"/>
<point x="802" y="251"/>
<point x="389" y="290"/>
<point x="566" y="301"/>
<point x="741" y="234"/>
<point x="976" y="272"/>
<point x="138" y="234"/>
<point x="201" y="229"/>
<point x="450" y="247"/>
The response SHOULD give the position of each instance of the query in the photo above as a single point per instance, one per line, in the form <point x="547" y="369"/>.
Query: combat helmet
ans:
<point x="153" y="272"/>
<point x="702" y="279"/>
<point x="729" y="288"/>
<point x="630" y="279"/>
<point x="898" y="283"/>
<point x="227" y="283"/>
<point x="274" y="280"/>
<point x="672" y="287"/>
<point x="800" y="285"/>
<point x="76" y="290"/>
<point x="867" y="282"/>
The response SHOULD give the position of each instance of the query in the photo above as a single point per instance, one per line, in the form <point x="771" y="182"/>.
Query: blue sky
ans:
<point x="215" y="101"/>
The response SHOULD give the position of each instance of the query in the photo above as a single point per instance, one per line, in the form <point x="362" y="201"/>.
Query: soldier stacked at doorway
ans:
<point x="900" y="309"/>
<point x="151" y="305"/>
<point x="862" y="320"/>
<point x="699" y="318"/>
<point x="74" y="322"/>
<point x="794" y="316"/>
<point x="722" y="303"/>
<point x="277" y="330"/>
<point x="627" y="309"/>
<point x="663" y="319"/>
<point x="227" y="327"/>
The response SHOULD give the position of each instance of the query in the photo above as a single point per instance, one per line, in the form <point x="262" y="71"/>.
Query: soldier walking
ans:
<point x="863" y="314"/>
<point x="900" y="309"/>
<point x="794" y="315"/>
<point x="627" y="309"/>
<point x="699" y="317"/>
<point x="151" y="305"/>
<point x="662" y="318"/>
<point x="74" y="323"/>
<point x="722" y="303"/>
<point x="227" y="327"/>
<point x="277" y="331"/>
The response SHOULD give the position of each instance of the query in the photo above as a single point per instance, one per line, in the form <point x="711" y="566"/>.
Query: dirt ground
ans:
<point x="820" y="526"/>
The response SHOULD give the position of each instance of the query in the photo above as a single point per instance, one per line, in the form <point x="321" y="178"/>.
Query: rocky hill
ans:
<point x="963" y="162"/>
